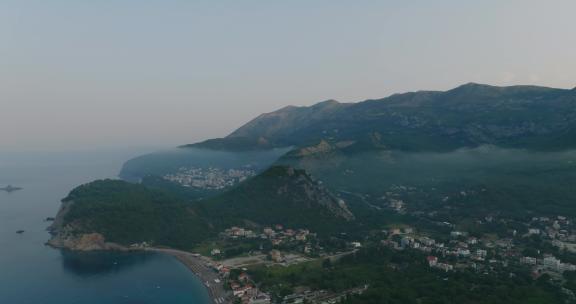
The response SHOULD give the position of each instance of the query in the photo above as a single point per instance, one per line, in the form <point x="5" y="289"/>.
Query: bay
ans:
<point x="32" y="273"/>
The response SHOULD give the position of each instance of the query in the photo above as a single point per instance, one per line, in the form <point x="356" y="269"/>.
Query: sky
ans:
<point x="79" y="74"/>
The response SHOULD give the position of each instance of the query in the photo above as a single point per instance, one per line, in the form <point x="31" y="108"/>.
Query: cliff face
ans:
<point x="83" y="242"/>
<point x="302" y="189"/>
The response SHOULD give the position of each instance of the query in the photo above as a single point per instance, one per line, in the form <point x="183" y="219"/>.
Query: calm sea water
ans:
<point x="31" y="273"/>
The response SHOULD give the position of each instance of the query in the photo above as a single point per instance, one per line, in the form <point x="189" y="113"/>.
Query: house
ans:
<point x="456" y="234"/>
<point x="234" y="286"/>
<point x="241" y="291"/>
<point x="225" y="271"/>
<point x="269" y="232"/>
<point x="406" y="241"/>
<point x="463" y="252"/>
<point x="445" y="267"/>
<point x="243" y="277"/>
<point x="215" y="251"/>
<point x="481" y="253"/>
<point x="356" y="244"/>
<point x="276" y="256"/>
<point x="551" y="262"/>
<point x="261" y="298"/>
<point x="427" y="241"/>
<point x="432" y="260"/>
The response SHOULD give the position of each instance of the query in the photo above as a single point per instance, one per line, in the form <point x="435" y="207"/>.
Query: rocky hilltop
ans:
<point x="281" y="194"/>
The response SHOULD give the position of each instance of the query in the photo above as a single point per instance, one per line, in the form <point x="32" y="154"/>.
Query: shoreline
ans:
<point x="197" y="265"/>
<point x="194" y="263"/>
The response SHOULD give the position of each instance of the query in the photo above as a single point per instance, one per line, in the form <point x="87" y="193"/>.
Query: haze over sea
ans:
<point x="32" y="273"/>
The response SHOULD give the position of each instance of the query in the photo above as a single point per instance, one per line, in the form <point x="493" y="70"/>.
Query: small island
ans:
<point x="10" y="188"/>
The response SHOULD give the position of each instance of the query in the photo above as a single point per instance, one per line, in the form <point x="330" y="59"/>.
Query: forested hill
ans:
<point x="280" y="195"/>
<point x="126" y="213"/>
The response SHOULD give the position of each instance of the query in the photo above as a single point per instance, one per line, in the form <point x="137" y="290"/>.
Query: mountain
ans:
<point x="428" y="140"/>
<point x="410" y="191"/>
<point x="280" y="195"/>
<point x="269" y="129"/>
<point x="470" y="115"/>
<point x="288" y="120"/>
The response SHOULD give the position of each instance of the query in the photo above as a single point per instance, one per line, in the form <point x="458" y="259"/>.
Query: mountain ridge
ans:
<point x="469" y="115"/>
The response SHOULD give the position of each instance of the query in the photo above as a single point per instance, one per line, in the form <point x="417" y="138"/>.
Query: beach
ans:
<point x="199" y="266"/>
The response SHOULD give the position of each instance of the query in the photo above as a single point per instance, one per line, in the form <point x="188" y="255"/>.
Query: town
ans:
<point x="209" y="178"/>
<point x="457" y="250"/>
<point x="275" y="246"/>
<point x="544" y="246"/>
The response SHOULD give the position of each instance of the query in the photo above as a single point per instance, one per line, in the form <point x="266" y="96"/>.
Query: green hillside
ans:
<point x="280" y="195"/>
<point x="128" y="213"/>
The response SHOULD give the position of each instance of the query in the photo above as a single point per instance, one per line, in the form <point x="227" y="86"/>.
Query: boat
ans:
<point x="10" y="188"/>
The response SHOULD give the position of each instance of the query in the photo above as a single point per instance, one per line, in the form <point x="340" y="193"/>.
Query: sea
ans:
<point x="32" y="273"/>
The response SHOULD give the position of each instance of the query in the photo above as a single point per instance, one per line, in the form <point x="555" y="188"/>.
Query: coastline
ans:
<point x="196" y="264"/>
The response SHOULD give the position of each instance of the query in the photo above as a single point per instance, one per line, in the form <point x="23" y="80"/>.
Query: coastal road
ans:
<point x="209" y="277"/>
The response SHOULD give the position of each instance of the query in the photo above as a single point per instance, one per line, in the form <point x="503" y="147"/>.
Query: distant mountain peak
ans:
<point x="287" y="120"/>
<point x="329" y="102"/>
<point x="471" y="87"/>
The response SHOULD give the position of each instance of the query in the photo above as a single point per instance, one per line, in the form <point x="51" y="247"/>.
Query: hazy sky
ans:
<point x="94" y="73"/>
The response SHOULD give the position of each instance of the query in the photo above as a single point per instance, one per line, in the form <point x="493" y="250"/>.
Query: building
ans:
<point x="276" y="256"/>
<point x="463" y="252"/>
<point x="481" y="253"/>
<point x="432" y="261"/>
<point x="269" y="232"/>
<point x="534" y="231"/>
<point x="243" y="277"/>
<point x="356" y="244"/>
<point x="261" y="298"/>
<point x="551" y="263"/>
